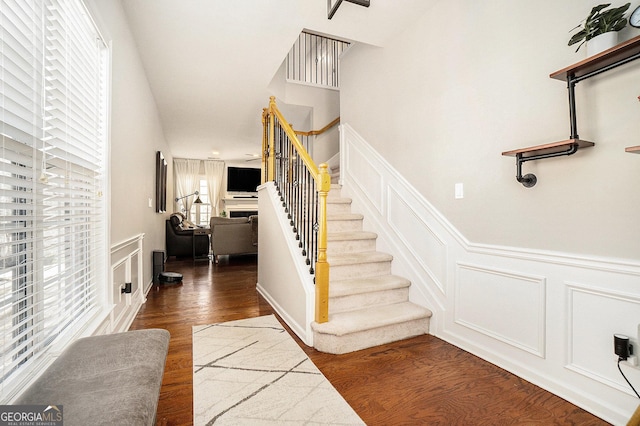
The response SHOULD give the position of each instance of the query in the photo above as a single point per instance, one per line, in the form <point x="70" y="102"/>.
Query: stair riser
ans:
<point x="338" y="208"/>
<point x="360" y="270"/>
<point x="350" y="246"/>
<point x="372" y="299"/>
<point x="365" y="339"/>
<point x="344" y="225"/>
<point x="334" y="193"/>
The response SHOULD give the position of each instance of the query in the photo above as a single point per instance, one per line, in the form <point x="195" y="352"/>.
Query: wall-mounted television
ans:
<point x="243" y="179"/>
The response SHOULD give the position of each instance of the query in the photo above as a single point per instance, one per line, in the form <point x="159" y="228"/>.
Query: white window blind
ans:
<point x="53" y="68"/>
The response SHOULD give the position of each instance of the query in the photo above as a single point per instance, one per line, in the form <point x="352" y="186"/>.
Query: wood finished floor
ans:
<point x="423" y="380"/>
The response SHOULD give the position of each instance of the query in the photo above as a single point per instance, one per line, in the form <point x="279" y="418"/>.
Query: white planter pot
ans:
<point x="602" y="42"/>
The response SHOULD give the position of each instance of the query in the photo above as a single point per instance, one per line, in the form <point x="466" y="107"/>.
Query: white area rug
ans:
<point x="251" y="372"/>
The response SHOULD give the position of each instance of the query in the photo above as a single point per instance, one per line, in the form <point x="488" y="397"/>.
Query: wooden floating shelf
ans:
<point x="633" y="149"/>
<point x="549" y="148"/>
<point x="603" y="59"/>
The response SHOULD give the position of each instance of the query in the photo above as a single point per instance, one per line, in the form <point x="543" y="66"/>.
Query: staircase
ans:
<point x="367" y="305"/>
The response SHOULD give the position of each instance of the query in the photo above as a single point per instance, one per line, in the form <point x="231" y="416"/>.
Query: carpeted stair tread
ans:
<point x="338" y="200"/>
<point x="359" y="258"/>
<point x="344" y="323"/>
<point x="353" y="286"/>
<point x="351" y="235"/>
<point x="344" y="216"/>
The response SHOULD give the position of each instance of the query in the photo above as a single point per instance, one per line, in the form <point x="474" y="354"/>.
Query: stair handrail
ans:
<point x="285" y="177"/>
<point x="308" y="138"/>
<point x="319" y="132"/>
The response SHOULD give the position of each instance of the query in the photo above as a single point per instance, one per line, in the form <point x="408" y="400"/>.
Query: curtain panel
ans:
<point x="187" y="173"/>
<point x="214" y="173"/>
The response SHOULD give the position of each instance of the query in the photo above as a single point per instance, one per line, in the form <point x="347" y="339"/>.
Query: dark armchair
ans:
<point x="179" y="239"/>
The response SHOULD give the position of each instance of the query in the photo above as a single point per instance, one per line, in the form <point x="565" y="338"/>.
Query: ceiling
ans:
<point x="209" y="62"/>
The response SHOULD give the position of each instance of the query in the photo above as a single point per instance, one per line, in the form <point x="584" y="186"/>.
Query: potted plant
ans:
<point x="601" y="21"/>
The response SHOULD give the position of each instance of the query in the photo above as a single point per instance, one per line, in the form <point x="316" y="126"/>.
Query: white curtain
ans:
<point x="214" y="172"/>
<point x="186" y="176"/>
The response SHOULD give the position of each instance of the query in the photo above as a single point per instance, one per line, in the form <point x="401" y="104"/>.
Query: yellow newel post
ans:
<point x="272" y="146"/>
<point x="322" y="266"/>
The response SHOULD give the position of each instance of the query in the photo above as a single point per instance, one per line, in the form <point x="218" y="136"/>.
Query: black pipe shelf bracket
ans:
<point x="539" y="152"/>
<point x="597" y="64"/>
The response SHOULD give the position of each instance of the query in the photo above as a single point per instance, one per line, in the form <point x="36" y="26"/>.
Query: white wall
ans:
<point x="326" y="107"/>
<point x="283" y="277"/>
<point x="441" y="102"/>
<point x="295" y="99"/>
<point x="135" y="134"/>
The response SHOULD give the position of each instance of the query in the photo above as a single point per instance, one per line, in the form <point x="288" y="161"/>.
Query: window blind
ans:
<point x="53" y="74"/>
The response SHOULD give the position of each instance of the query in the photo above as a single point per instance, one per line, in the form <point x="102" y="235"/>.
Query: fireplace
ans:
<point x="241" y="206"/>
<point x="242" y="213"/>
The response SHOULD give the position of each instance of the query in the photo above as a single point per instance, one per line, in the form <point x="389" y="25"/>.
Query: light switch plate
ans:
<point x="459" y="190"/>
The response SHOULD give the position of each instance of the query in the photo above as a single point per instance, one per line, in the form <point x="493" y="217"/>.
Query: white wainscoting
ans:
<point x="126" y="267"/>
<point x="583" y="302"/>
<point x="548" y="317"/>
<point x="514" y="306"/>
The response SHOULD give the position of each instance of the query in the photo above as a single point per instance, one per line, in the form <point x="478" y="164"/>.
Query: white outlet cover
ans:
<point x="459" y="190"/>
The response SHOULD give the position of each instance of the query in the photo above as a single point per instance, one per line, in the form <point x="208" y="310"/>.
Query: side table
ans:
<point x="200" y="231"/>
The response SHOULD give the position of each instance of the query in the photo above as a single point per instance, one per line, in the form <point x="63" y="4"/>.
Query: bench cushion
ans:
<point x="109" y="379"/>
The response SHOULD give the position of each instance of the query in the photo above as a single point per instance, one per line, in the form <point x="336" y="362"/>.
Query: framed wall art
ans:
<point x="161" y="183"/>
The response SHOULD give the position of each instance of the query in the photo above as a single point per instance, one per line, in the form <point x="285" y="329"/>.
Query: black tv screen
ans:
<point x="242" y="179"/>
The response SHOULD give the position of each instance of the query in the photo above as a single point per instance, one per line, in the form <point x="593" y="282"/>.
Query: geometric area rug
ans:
<point x="251" y="372"/>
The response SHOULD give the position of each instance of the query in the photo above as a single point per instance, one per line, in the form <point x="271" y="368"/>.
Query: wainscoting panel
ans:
<point x="428" y="249"/>
<point x="120" y="275"/>
<point x="126" y="267"/>
<point x="513" y="306"/>
<point x="420" y="254"/>
<point x="590" y="333"/>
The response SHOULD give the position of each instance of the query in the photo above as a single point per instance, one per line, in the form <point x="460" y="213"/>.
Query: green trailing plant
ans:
<point x="601" y="20"/>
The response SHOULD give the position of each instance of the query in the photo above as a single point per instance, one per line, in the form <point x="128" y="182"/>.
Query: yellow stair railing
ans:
<point x="303" y="188"/>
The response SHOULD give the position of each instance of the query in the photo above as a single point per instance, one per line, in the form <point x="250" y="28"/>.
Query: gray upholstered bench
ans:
<point x="113" y="379"/>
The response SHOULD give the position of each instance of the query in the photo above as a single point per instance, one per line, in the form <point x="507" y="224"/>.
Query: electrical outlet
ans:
<point x="150" y="203"/>
<point x="632" y="361"/>
<point x="626" y="349"/>
<point x="459" y="190"/>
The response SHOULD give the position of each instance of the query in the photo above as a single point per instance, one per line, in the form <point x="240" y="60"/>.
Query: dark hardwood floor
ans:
<point x="423" y="380"/>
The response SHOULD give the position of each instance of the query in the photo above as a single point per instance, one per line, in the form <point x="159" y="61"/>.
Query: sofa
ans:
<point x="180" y="239"/>
<point x="235" y="235"/>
